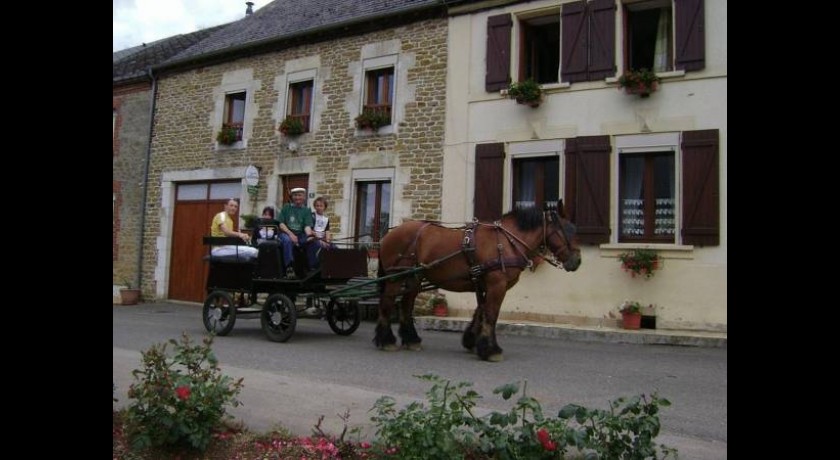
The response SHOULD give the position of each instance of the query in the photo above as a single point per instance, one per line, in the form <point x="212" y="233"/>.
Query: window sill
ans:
<point x="545" y="87"/>
<point x="667" y="251"/>
<point x="238" y="145"/>
<point x="663" y="75"/>
<point x="387" y="129"/>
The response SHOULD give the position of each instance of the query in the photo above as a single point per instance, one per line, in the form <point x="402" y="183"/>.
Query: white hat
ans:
<point x="298" y="190"/>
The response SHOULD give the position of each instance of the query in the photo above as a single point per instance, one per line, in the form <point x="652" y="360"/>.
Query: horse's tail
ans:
<point x="380" y="272"/>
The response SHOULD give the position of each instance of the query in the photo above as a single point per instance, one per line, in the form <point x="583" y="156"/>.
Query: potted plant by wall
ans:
<point x="641" y="82"/>
<point x="249" y="221"/>
<point x="129" y="295"/>
<point x="438" y="304"/>
<point x="642" y="262"/>
<point x="291" y="126"/>
<point x="526" y="92"/>
<point x="226" y="135"/>
<point x="372" y="119"/>
<point x="631" y="314"/>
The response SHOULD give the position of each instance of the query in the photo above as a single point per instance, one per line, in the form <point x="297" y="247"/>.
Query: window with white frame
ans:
<point x="300" y="102"/>
<point x="535" y="173"/>
<point x="536" y="181"/>
<point x="648" y="35"/>
<point x="664" y="35"/>
<point x="540" y="56"/>
<point x="379" y="93"/>
<point x="647" y="198"/>
<point x="234" y="113"/>
<point x="373" y="210"/>
<point x="647" y="188"/>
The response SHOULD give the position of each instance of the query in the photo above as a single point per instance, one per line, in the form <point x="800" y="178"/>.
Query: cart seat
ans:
<point x="238" y="258"/>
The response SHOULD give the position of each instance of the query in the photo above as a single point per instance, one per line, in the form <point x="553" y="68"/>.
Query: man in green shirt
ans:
<point x="295" y="227"/>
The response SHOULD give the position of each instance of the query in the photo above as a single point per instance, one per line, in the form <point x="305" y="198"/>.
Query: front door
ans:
<point x="195" y="206"/>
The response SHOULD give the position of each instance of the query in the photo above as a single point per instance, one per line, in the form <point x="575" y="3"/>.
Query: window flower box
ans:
<point x="641" y="82"/>
<point x="526" y="92"/>
<point x="372" y="119"/>
<point x="227" y="135"/>
<point x="292" y="126"/>
<point x="642" y="262"/>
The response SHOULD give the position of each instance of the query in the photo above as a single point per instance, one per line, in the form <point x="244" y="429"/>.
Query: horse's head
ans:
<point x="561" y="238"/>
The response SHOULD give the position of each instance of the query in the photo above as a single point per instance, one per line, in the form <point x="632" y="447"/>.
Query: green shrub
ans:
<point x="525" y="92"/>
<point x="226" y="135"/>
<point x="373" y="119"/>
<point x="449" y="428"/>
<point x="179" y="401"/>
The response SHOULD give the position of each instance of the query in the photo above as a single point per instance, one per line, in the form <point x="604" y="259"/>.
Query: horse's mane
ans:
<point x="526" y="219"/>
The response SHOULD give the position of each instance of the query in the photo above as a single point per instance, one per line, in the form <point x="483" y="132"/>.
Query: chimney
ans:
<point x="249" y="10"/>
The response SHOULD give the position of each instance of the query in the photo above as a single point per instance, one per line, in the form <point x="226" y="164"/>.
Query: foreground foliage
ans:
<point x="449" y="427"/>
<point x="179" y="401"/>
<point x="179" y="412"/>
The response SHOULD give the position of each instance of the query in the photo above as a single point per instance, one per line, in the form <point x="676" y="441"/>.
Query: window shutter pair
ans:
<point x="587" y="188"/>
<point x="588" y="41"/>
<point x="587" y="191"/>
<point x="497" y="74"/>
<point x="690" y="48"/>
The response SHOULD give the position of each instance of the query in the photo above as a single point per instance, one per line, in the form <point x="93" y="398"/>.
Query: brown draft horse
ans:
<point x="485" y="258"/>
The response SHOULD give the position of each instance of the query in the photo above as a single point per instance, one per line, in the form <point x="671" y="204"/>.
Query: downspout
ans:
<point x="139" y="278"/>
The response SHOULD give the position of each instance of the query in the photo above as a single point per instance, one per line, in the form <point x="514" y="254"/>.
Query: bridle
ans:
<point x="543" y="247"/>
<point x="559" y="228"/>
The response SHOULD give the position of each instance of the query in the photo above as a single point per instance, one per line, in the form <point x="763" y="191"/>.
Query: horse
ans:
<point x="485" y="258"/>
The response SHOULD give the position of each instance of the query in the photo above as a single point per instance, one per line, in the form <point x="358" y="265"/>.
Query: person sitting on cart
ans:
<point x="322" y="239"/>
<point x="222" y="225"/>
<point x="267" y="227"/>
<point x="295" y="227"/>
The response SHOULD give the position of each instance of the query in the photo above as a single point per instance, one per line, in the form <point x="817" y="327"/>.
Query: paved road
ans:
<point x="320" y="373"/>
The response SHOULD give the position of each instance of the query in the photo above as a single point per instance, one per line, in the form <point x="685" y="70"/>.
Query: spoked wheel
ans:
<point x="278" y="317"/>
<point x="343" y="316"/>
<point x="219" y="313"/>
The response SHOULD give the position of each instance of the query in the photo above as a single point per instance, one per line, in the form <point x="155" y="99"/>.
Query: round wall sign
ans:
<point x="252" y="175"/>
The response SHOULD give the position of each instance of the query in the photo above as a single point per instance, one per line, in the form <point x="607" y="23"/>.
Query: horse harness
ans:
<point x="477" y="270"/>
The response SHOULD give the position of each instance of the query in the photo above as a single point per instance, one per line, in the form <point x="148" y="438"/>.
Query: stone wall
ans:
<point x="131" y="134"/>
<point x="186" y="124"/>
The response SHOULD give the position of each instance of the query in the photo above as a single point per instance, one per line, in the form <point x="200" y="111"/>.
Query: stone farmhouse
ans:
<point x="632" y="170"/>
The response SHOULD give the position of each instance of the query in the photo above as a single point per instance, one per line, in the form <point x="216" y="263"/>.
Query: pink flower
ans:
<point x="183" y="392"/>
<point x="365" y="445"/>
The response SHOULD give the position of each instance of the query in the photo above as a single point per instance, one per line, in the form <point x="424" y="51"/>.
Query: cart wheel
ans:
<point x="343" y="317"/>
<point x="219" y="313"/>
<point x="278" y="318"/>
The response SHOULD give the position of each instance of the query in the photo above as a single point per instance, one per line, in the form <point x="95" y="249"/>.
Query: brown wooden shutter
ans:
<point x="497" y="74"/>
<point x="601" y="39"/>
<point x="690" y="47"/>
<point x="701" y="192"/>
<point x="587" y="197"/>
<point x="294" y="181"/>
<point x="574" y="42"/>
<point x="489" y="172"/>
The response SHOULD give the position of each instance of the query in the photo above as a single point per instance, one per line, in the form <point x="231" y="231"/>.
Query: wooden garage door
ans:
<point x="195" y="206"/>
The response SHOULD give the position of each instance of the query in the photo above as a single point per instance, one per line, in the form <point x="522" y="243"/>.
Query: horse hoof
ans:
<point x="390" y="347"/>
<point x="495" y="358"/>
<point x="413" y="346"/>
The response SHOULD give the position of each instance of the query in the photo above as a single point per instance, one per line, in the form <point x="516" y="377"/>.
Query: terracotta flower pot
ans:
<point x="631" y="320"/>
<point x="129" y="296"/>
